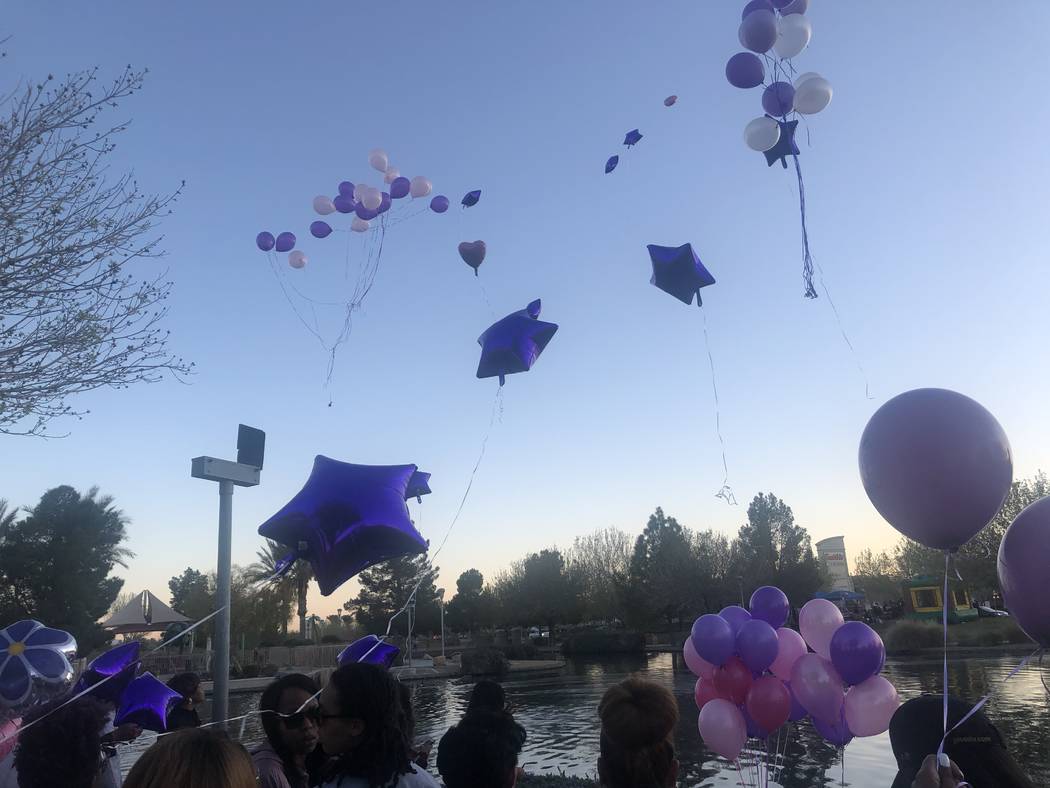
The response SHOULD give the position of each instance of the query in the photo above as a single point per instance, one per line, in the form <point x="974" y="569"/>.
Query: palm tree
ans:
<point x="291" y="583"/>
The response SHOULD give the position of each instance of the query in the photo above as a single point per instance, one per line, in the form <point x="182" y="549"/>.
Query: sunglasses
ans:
<point x="298" y="720"/>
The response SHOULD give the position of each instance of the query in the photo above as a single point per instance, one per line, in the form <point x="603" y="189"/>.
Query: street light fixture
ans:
<point x="441" y="602"/>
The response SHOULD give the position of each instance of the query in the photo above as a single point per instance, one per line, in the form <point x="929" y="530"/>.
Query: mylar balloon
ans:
<point x="722" y="728"/>
<point x="514" y="344"/>
<point x="265" y="241"/>
<point x="145" y="703"/>
<point x="370" y="650"/>
<point x="936" y="465"/>
<point x="670" y="101"/>
<point x="745" y="70"/>
<point x="762" y="134"/>
<point x="470" y="199"/>
<point x="869" y="706"/>
<point x="472" y="252"/>
<point x="324" y="205"/>
<point x="34" y="666"/>
<point x="111" y="672"/>
<point x="1024" y="557"/>
<point x="610" y="165"/>
<point x="793" y="34"/>
<point x="419" y="186"/>
<point x="677" y="271"/>
<point x="296" y="259"/>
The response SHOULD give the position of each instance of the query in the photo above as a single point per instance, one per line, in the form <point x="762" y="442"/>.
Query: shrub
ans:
<point x="291" y="642"/>
<point x="520" y="651"/>
<point x="331" y="639"/>
<point x="236" y="672"/>
<point x="268" y="670"/>
<point x="250" y="671"/>
<point x="484" y="662"/>
<point x="604" y="643"/>
<point x="905" y="636"/>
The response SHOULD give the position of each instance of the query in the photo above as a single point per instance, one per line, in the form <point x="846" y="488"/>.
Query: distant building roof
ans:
<point x="144" y="613"/>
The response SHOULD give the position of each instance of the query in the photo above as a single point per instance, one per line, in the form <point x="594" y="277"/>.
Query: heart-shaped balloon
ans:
<point x="473" y="254"/>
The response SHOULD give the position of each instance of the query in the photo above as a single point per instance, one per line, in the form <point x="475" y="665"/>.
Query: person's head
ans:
<point x="408" y="714"/>
<point x="193" y="758"/>
<point x="362" y="724"/>
<point x="189" y="686"/>
<point x="638" y="718"/>
<point x="292" y="730"/>
<point x="975" y="746"/>
<point x="63" y="750"/>
<point x="481" y="751"/>
<point x="487" y="695"/>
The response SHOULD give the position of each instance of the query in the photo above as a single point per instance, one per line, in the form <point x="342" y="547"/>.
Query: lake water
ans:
<point x="560" y="714"/>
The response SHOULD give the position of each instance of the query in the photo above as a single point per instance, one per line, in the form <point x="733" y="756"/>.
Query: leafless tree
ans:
<point x="73" y="316"/>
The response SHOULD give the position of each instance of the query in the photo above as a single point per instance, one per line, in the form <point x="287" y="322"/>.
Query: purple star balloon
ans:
<point x="347" y="518"/>
<point x="471" y="198"/>
<point x="786" y="145"/>
<point x="121" y="663"/>
<point x="632" y="138"/>
<point x="371" y="650"/>
<point x="610" y="165"/>
<point x="418" y="486"/>
<point x="514" y="343"/>
<point x="678" y="271"/>
<point x="34" y="665"/>
<point x="145" y="703"/>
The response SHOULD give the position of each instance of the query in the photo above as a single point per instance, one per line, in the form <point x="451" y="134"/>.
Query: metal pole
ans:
<point x="221" y="666"/>
<point x="442" y="628"/>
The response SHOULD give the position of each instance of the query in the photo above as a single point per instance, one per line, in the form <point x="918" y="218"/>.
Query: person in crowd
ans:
<point x="487" y="695"/>
<point x="291" y="732"/>
<point x="112" y="738"/>
<point x="481" y="751"/>
<point x="638" y="719"/>
<point x="64" y="749"/>
<point x="976" y="752"/>
<point x="184" y="714"/>
<point x="193" y="758"/>
<point x="363" y="729"/>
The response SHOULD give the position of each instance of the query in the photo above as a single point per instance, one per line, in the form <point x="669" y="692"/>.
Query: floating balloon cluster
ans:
<point x="754" y="674"/>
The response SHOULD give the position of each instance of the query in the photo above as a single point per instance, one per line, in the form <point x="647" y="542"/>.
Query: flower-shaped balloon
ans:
<point x="34" y="665"/>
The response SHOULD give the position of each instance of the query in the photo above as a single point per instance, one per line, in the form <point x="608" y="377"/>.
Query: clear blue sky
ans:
<point x="926" y="185"/>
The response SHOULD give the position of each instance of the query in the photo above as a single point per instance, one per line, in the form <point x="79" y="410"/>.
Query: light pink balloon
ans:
<point x="8" y="729"/>
<point x="697" y="665"/>
<point x="818" y="619"/>
<point x="723" y="728"/>
<point x="818" y="686"/>
<point x="790" y="646"/>
<point x="870" y="705"/>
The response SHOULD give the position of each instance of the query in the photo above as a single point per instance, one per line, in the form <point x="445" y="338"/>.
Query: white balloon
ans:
<point x="419" y="187"/>
<point x="360" y="190"/>
<point x="803" y="77"/>
<point x="795" y="7"/>
<point x="793" y="34"/>
<point x="761" y="134"/>
<point x="391" y="174"/>
<point x="296" y="259"/>
<point x="372" y="199"/>
<point x="812" y="96"/>
<point x="377" y="158"/>
<point x="324" y="205"/>
<point x="359" y="225"/>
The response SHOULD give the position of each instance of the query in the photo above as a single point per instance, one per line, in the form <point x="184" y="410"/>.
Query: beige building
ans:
<point x="832" y="555"/>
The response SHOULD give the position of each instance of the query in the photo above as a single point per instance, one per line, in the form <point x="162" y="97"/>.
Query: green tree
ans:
<point x="876" y="575"/>
<point x="662" y="572"/>
<point x="55" y="563"/>
<point x="774" y="550"/>
<point x="538" y="589"/>
<point x="292" y="584"/>
<point x="191" y="594"/>
<point x="385" y="589"/>
<point x="472" y="605"/>
<point x="714" y="583"/>
<point x="601" y="562"/>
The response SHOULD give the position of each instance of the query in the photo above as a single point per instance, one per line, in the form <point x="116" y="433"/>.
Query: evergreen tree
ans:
<point x="385" y="589"/>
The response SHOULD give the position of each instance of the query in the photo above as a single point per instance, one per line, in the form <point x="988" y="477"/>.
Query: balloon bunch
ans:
<point x="754" y="674"/>
<point x="633" y="137"/>
<point x="779" y="30"/>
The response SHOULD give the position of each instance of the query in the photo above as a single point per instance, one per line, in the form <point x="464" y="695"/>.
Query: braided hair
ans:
<point x="64" y="750"/>
<point x="637" y="749"/>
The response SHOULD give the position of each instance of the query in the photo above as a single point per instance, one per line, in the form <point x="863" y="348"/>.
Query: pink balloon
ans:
<point x="7" y="728"/>
<point x="870" y="705"/>
<point x="723" y="728"/>
<point x="790" y="646"/>
<point x="705" y="691"/>
<point x="818" y="686"/>
<point x="818" y="619"/>
<point x="697" y="665"/>
<point x="733" y="680"/>
<point x="769" y="703"/>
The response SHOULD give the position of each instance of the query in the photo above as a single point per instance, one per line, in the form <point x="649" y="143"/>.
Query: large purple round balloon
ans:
<point x="439" y="204"/>
<point x="745" y="70"/>
<point x="758" y="31"/>
<point x="1024" y="560"/>
<point x="778" y="99"/>
<point x="736" y="616"/>
<point x="713" y="639"/>
<point x="757" y="643"/>
<point x="285" y="242"/>
<point x="365" y="213"/>
<point x="265" y="241"/>
<point x="936" y="465"/>
<point x="756" y="5"/>
<point x="857" y="652"/>
<point x="399" y="187"/>
<point x="770" y="604"/>
<point x="320" y="229"/>
<point x="344" y="203"/>
<point x="346" y="188"/>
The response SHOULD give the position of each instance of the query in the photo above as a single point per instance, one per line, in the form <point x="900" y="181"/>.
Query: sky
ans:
<point x="926" y="198"/>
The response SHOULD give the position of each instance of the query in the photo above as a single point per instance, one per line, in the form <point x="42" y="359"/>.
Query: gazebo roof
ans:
<point x="144" y="613"/>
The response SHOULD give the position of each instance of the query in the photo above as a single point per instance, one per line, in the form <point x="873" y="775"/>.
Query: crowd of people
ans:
<point x="359" y="732"/>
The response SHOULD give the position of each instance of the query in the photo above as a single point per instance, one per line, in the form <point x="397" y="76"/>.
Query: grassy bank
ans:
<point x="908" y="637"/>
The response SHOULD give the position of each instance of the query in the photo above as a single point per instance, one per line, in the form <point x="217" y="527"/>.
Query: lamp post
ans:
<point x="441" y="601"/>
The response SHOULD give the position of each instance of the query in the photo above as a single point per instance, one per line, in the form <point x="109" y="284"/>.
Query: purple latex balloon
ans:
<point x="778" y="99"/>
<point x="121" y="663"/>
<point x="349" y="517"/>
<point x="936" y="465"/>
<point x="757" y="644"/>
<point x="713" y="639"/>
<point x="320" y="229"/>
<point x="769" y="604"/>
<point x="145" y="703"/>
<point x="344" y="203"/>
<point x="285" y="242"/>
<point x="754" y="730"/>
<point x="364" y="213"/>
<point x="439" y="204"/>
<point x="1024" y="556"/>
<point x="837" y="732"/>
<point x="857" y="652"/>
<point x="514" y="343"/>
<point x="758" y="31"/>
<point x="745" y="70"/>
<point x="265" y="241"/>
<point x="736" y="616"/>
<point x="677" y="270"/>
<point x="385" y="203"/>
<point x="370" y="650"/>
<point x="400" y="187"/>
<point x="780" y="3"/>
<point x="346" y="189"/>
<point x="756" y="5"/>
<point x="797" y="712"/>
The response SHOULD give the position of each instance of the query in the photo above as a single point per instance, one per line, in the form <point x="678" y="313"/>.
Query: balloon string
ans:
<point x="484" y="293"/>
<point x="845" y="336"/>
<point x="725" y="492"/>
<point x="944" y="678"/>
<point x="807" y="258"/>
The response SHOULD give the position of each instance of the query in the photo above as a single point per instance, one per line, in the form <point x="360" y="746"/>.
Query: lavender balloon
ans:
<point x="439" y="204"/>
<point x="857" y="652"/>
<point x="736" y="616"/>
<point x="1024" y="556"/>
<point x="756" y="643"/>
<point x="285" y="242"/>
<point x="756" y="5"/>
<point x="346" y="189"/>
<point x="745" y="70"/>
<point x="778" y="99"/>
<point x="320" y="229"/>
<point x="713" y="639"/>
<point x="769" y="604"/>
<point x="344" y="203"/>
<point x="400" y="187"/>
<point x="265" y="241"/>
<point x="758" y="31"/>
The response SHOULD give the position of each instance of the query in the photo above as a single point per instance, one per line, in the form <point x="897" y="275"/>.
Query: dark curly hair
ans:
<point x="384" y="751"/>
<point x="637" y="738"/>
<point x="481" y="751"/>
<point x="63" y="750"/>
<point x="185" y="684"/>
<point x="271" y="723"/>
